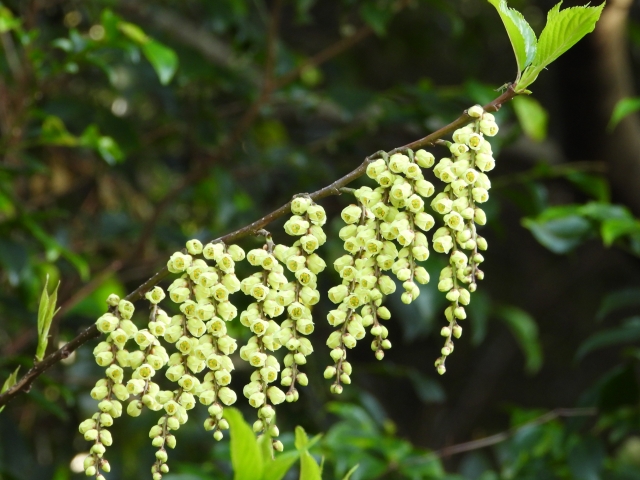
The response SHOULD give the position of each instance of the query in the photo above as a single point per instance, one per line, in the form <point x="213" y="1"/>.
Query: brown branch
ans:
<point x="462" y="120"/>
<point x="502" y="436"/>
<point x="198" y="172"/>
<point x="333" y="189"/>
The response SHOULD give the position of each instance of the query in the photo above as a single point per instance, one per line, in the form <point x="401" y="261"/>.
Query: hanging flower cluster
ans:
<point x="467" y="185"/>
<point x="385" y="239"/>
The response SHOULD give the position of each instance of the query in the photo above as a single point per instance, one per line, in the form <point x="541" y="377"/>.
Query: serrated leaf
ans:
<point x="525" y="330"/>
<point x="521" y="35"/>
<point x="563" y="30"/>
<point x="246" y="457"/>
<point x="163" y="60"/>
<point x="624" y="107"/>
<point x="532" y="116"/>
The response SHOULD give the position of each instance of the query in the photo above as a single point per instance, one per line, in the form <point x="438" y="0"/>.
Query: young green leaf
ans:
<point x="521" y="35"/>
<point x="302" y="439"/>
<point x="246" y="457"/>
<point x="277" y="468"/>
<point x="532" y="116"/>
<point x="46" y="312"/>
<point x="163" y="60"/>
<point x="9" y="382"/>
<point x="525" y="329"/>
<point x="563" y="30"/>
<point x="309" y="468"/>
<point x="625" y="106"/>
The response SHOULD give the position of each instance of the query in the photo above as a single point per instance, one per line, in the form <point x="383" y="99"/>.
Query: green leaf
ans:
<point x="629" y="332"/>
<point x="9" y="382"/>
<point x="521" y="35"/>
<point x="302" y="439"/>
<point x="54" y="132"/>
<point x="629" y="297"/>
<point x="162" y="58"/>
<point x="277" y="469"/>
<point x="625" y="106"/>
<point x="309" y="468"/>
<point x="54" y="249"/>
<point x="595" y="185"/>
<point x="246" y="457"/>
<point x="614" y="228"/>
<point x="532" y="116"/>
<point x="351" y="471"/>
<point x="560" y="235"/>
<point x="134" y="32"/>
<point x="46" y="311"/>
<point x="104" y="145"/>
<point x="376" y="17"/>
<point x="563" y="30"/>
<point x="525" y="330"/>
<point x="7" y="20"/>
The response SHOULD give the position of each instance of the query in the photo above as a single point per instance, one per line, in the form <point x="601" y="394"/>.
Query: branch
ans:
<point x="502" y="436"/>
<point x="198" y="172"/>
<point x="24" y="384"/>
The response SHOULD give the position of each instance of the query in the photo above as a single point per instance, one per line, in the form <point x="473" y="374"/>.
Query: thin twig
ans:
<point x="502" y="436"/>
<point x="225" y="149"/>
<point x="24" y="384"/>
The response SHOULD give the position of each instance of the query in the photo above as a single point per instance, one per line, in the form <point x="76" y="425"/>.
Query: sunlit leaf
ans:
<point x="532" y="116"/>
<point x="277" y="468"/>
<point x="614" y="228"/>
<point x="246" y="457"/>
<point x="162" y="59"/>
<point x="563" y="30"/>
<point x="521" y="35"/>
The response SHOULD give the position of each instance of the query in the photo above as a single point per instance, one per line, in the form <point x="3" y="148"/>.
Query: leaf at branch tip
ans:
<point x="9" y="382"/>
<point x="624" y="107"/>
<point x="525" y="330"/>
<point x="46" y="312"/>
<point x="532" y="116"/>
<point x="521" y="35"/>
<point x="563" y="30"/>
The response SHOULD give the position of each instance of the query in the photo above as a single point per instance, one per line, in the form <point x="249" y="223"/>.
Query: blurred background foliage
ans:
<point x="131" y="126"/>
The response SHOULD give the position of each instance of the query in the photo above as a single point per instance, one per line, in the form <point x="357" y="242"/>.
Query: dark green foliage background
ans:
<point x="114" y="213"/>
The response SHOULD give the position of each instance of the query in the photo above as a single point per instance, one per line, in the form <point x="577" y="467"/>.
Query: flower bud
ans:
<point x="424" y="159"/>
